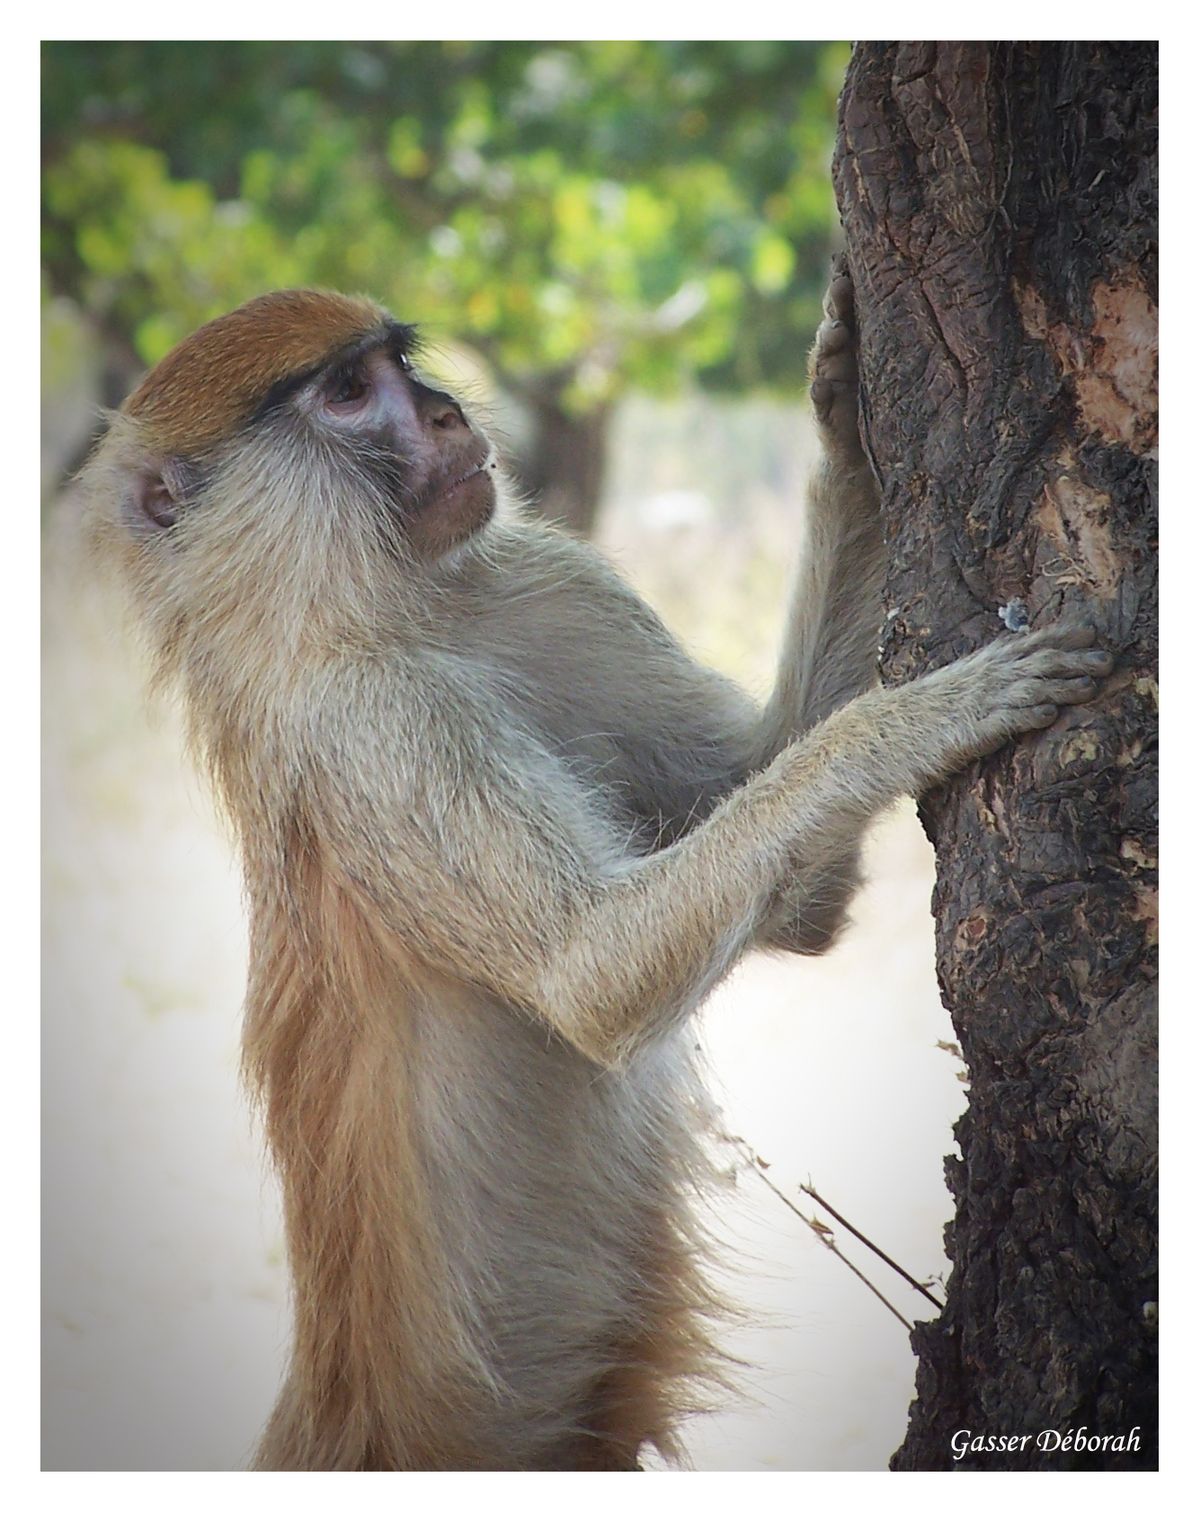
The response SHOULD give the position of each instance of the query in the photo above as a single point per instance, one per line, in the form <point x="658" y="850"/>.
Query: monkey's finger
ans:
<point x="825" y="392"/>
<point x="834" y="336"/>
<point x="1067" y="637"/>
<point x="1064" y="690"/>
<point x="839" y="299"/>
<point x="1056" y="662"/>
<point x="841" y="366"/>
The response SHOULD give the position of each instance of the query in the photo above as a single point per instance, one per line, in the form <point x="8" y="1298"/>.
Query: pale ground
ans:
<point x="164" y="1290"/>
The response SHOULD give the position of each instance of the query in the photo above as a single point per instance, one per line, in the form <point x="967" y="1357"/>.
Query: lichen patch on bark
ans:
<point x="1145" y="911"/>
<point x="1113" y="366"/>
<point x="1136" y="853"/>
<point x="1080" y="746"/>
<point x="1076" y="519"/>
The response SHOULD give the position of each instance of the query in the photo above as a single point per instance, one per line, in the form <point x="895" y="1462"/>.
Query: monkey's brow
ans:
<point x="399" y="339"/>
<point x="403" y="338"/>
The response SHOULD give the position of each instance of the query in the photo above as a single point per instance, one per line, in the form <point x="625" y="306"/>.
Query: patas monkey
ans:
<point x="501" y="836"/>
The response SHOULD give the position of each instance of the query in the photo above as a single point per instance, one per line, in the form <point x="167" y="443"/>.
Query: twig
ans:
<point x="822" y="1231"/>
<point x="806" y="1187"/>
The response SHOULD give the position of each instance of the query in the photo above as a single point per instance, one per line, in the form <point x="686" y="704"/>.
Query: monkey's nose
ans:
<point x="445" y="414"/>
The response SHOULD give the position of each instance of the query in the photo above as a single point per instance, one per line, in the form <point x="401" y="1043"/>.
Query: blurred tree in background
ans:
<point x="589" y="217"/>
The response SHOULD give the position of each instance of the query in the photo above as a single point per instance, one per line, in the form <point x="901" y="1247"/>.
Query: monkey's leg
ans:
<point x="655" y="1365"/>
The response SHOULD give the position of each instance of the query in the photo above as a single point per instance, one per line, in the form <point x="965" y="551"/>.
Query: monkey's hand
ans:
<point x="833" y="370"/>
<point x="1016" y="684"/>
<point x="890" y="741"/>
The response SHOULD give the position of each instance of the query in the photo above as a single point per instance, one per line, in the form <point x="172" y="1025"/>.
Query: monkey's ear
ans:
<point x="159" y="493"/>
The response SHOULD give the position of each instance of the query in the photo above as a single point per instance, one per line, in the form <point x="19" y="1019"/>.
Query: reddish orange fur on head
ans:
<point x="214" y="379"/>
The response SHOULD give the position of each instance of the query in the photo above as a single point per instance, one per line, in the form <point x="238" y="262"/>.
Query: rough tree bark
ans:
<point x="999" y="203"/>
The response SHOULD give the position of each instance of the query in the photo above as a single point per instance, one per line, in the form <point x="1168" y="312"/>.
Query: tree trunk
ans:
<point x="1000" y="204"/>
<point x="563" y="468"/>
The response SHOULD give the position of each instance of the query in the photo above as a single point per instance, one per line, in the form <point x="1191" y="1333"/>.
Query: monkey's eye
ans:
<point x="348" y="390"/>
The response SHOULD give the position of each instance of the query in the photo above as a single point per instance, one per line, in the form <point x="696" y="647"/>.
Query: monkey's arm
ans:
<point x="481" y="858"/>
<point x="688" y="738"/>
<point x="707" y="743"/>
<point x="831" y="646"/>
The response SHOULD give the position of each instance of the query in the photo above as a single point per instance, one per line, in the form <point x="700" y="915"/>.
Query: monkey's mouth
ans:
<point x="451" y="509"/>
<point x="470" y="492"/>
<point x="457" y="483"/>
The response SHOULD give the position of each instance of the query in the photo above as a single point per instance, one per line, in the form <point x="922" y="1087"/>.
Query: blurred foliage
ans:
<point x="589" y="216"/>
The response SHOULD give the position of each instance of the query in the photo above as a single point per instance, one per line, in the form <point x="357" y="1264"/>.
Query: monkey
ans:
<point x="501" y="835"/>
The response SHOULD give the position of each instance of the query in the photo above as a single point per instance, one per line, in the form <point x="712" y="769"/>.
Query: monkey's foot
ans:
<point x="833" y="367"/>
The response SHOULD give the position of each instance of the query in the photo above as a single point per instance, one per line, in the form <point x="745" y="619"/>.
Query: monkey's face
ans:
<point x="391" y="440"/>
<point x="361" y="438"/>
<point x="284" y="467"/>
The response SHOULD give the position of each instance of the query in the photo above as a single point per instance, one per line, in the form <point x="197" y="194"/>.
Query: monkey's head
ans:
<point x="285" y="464"/>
